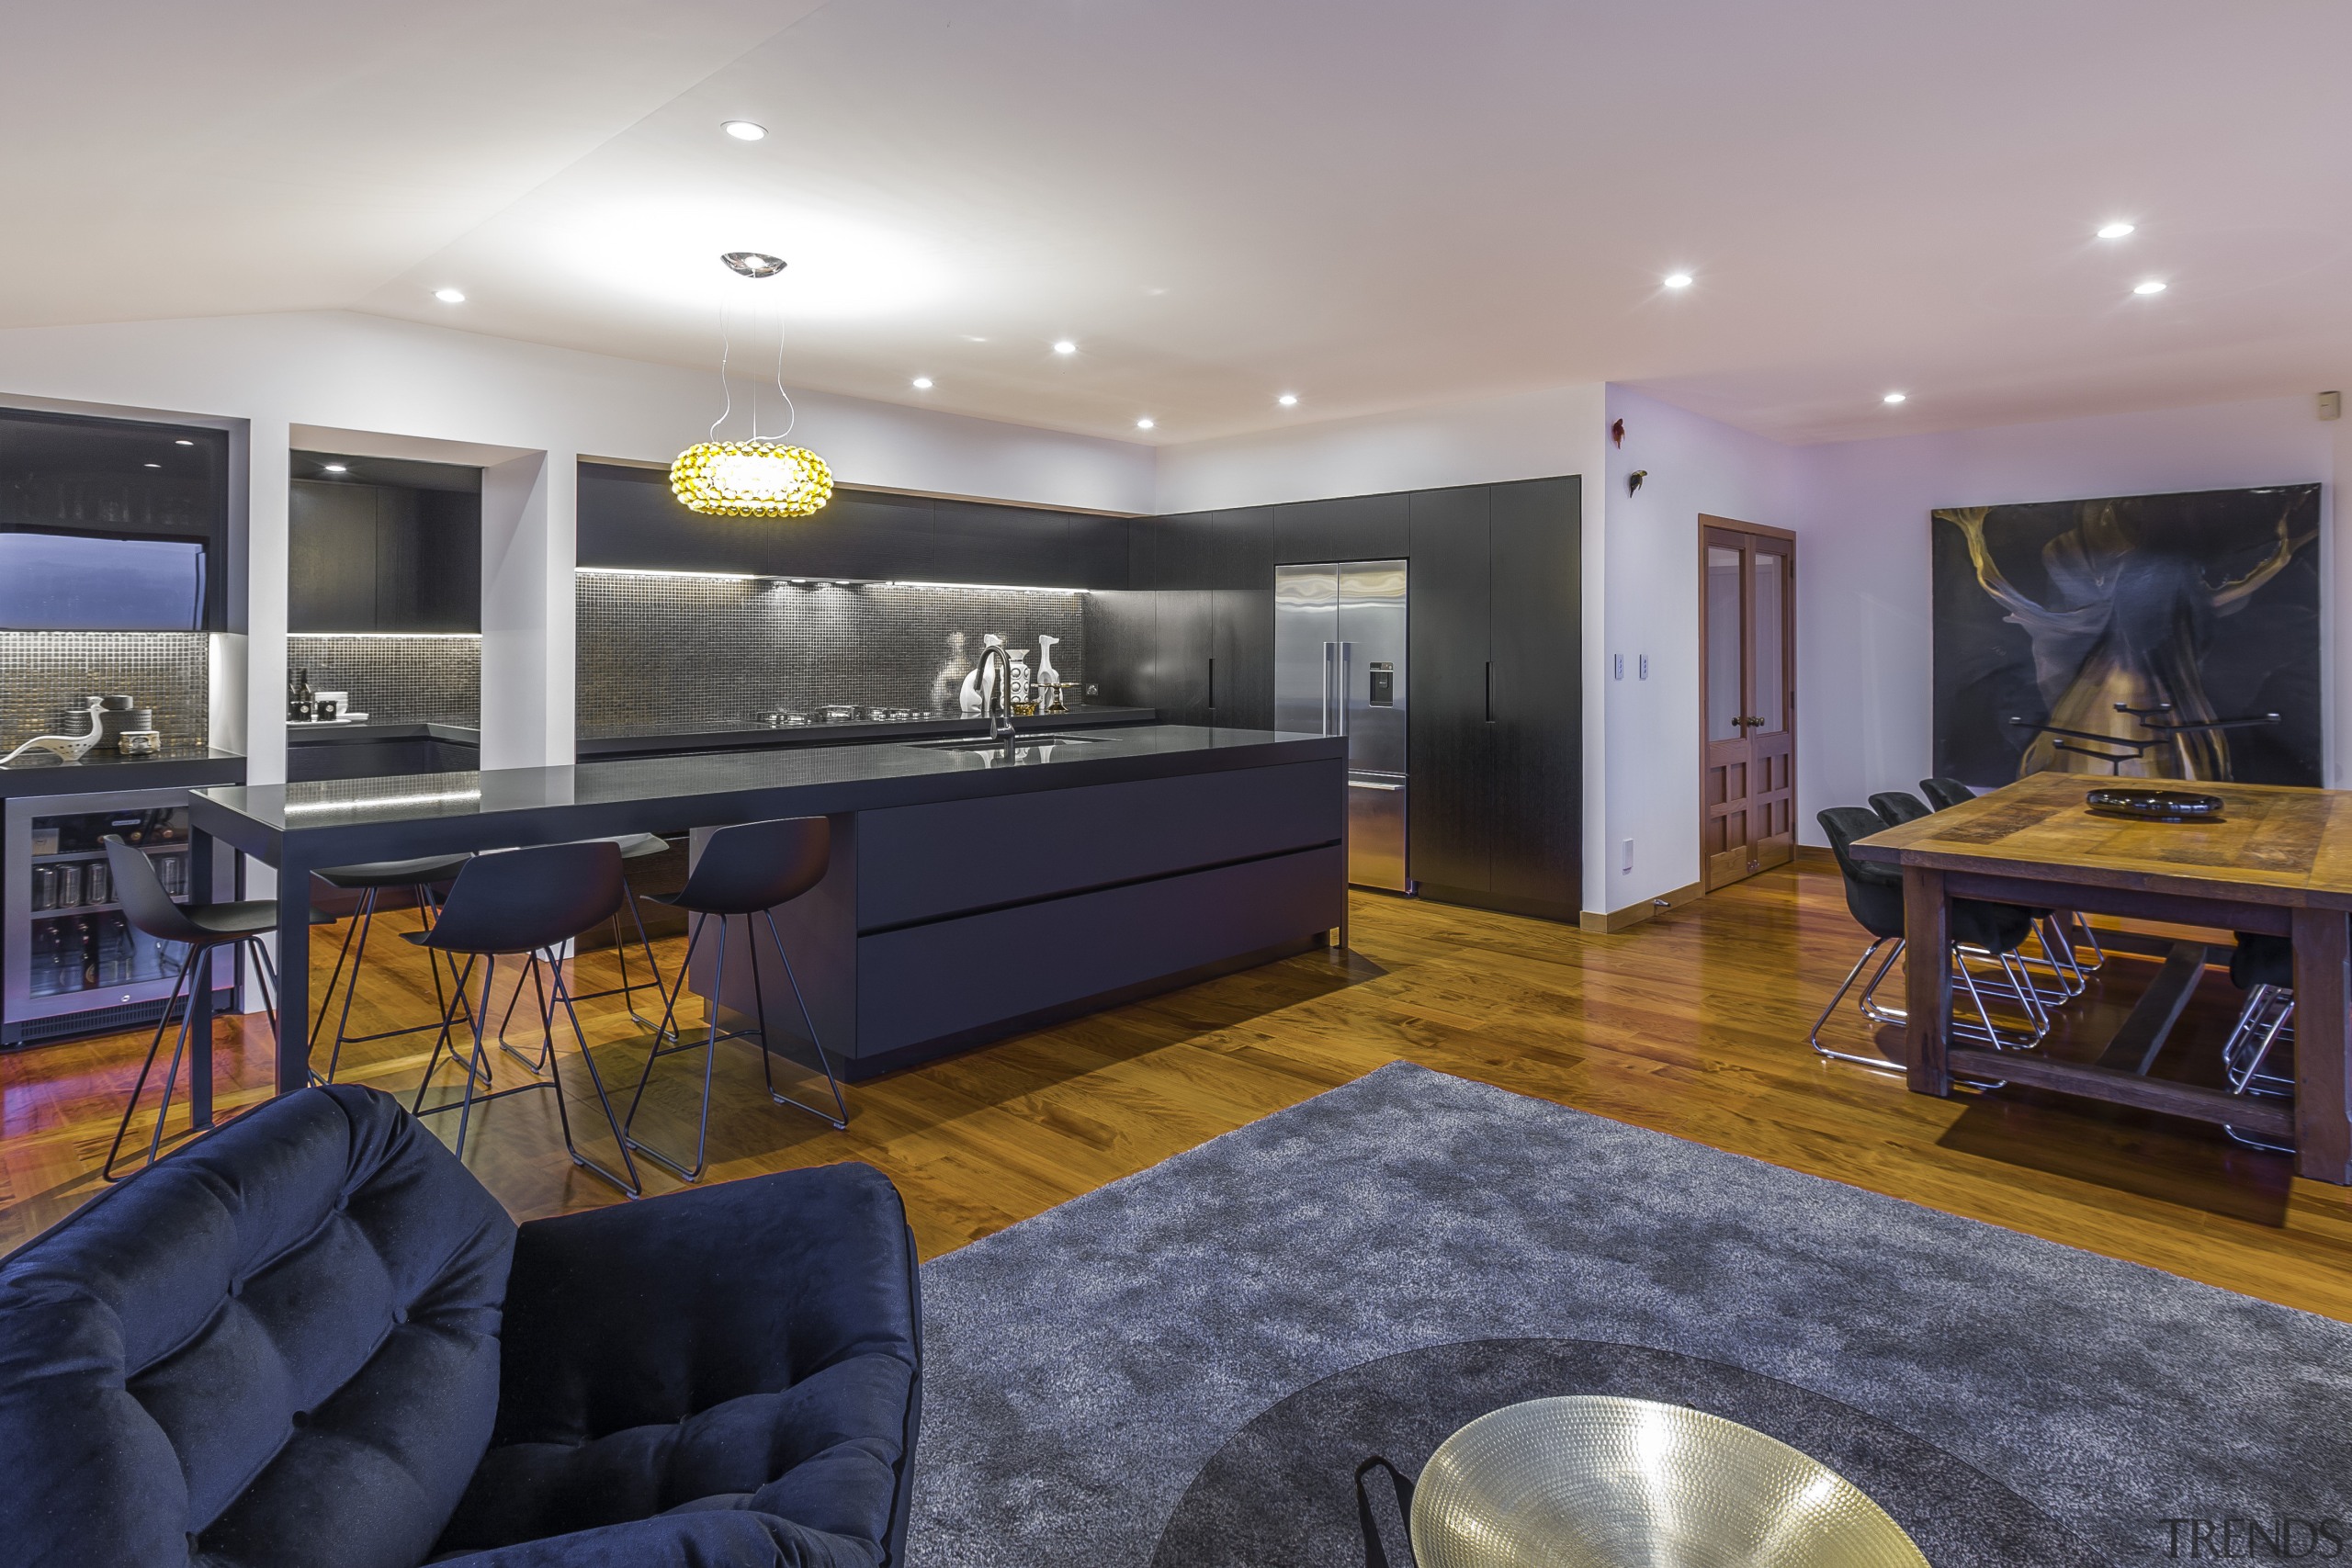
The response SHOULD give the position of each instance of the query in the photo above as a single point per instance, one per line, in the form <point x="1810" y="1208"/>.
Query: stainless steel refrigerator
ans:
<point x="1340" y="669"/>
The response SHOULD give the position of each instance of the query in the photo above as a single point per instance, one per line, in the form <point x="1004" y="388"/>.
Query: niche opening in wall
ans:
<point x="383" y="544"/>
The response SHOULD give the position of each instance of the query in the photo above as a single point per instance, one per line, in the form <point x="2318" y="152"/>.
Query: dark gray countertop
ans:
<point x="426" y="813"/>
<point x="689" y="742"/>
<point x="180" y="767"/>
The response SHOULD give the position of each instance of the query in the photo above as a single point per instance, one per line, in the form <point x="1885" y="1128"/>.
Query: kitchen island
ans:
<point x="974" y="891"/>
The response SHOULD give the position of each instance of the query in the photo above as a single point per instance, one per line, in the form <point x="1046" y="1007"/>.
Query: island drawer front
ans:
<point x="925" y="982"/>
<point x="925" y="863"/>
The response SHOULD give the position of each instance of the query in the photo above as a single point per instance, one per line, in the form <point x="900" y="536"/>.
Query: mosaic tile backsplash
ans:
<point x="396" y="680"/>
<point x="42" y="675"/>
<point x="660" y="655"/>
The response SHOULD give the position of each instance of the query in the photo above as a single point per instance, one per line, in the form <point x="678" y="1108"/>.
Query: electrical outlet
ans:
<point x="1621" y="666"/>
<point x="1625" y="857"/>
<point x="2331" y="405"/>
<point x="1645" y="666"/>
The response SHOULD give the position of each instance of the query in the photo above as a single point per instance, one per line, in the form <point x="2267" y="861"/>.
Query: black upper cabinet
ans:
<point x="1449" y="740"/>
<point x="629" y="518"/>
<point x="382" y="557"/>
<point x="1354" y="527"/>
<point x="1536" y="588"/>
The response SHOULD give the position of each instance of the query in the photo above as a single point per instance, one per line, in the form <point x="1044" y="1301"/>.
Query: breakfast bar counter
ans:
<point x="975" y="890"/>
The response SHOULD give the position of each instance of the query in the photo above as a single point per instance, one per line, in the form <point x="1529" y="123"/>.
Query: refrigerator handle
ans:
<point x="1347" y="659"/>
<point x="1330" y="656"/>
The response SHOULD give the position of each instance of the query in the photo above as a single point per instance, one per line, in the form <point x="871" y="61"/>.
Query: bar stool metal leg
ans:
<point x="709" y="1059"/>
<point x="179" y="989"/>
<point x="840" y="1118"/>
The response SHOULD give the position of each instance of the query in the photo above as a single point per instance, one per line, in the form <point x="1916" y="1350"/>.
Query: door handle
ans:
<point x="1347" y="659"/>
<point x="1330" y="661"/>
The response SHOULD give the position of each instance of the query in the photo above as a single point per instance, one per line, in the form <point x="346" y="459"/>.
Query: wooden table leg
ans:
<point x="199" y="1005"/>
<point x="1927" y="967"/>
<point x="2322" y="1041"/>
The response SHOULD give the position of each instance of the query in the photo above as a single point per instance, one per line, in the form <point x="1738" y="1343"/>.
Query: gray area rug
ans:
<point x="1083" y="1367"/>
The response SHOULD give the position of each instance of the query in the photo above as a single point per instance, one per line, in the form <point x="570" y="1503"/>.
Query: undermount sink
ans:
<point x="1018" y="740"/>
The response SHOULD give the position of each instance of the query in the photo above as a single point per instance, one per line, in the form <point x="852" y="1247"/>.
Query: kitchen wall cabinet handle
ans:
<point x="1212" y="683"/>
<point x="1490" y="690"/>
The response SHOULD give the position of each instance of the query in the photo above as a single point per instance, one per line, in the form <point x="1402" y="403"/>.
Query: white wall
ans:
<point x="266" y="374"/>
<point x="1863" y="642"/>
<point x="1694" y="466"/>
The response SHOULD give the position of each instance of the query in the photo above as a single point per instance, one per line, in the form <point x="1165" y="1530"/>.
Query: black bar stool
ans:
<point x="201" y="927"/>
<point x="632" y="846"/>
<point x="515" y="904"/>
<point x="747" y="871"/>
<point x="369" y="881"/>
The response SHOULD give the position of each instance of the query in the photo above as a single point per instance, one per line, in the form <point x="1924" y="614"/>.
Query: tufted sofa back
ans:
<point x="278" y="1344"/>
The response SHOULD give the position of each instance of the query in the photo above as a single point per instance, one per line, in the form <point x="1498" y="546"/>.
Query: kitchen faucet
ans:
<point x="997" y="701"/>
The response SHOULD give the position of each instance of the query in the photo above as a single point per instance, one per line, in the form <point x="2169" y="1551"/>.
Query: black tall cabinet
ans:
<point x="1495" y="662"/>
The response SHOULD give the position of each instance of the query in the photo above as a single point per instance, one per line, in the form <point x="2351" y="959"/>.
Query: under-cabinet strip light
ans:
<point x="403" y="636"/>
<point x="371" y="803"/>
<point x="813" y="581"/>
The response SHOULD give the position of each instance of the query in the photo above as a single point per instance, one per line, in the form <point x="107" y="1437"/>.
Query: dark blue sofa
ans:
<point x="313" y="1339"/>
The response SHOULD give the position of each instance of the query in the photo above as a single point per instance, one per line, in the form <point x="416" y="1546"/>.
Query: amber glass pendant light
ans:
<point x="761" y="477"/>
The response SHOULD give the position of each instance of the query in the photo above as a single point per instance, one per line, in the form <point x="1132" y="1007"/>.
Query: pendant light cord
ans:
<point x="726" y="392"/>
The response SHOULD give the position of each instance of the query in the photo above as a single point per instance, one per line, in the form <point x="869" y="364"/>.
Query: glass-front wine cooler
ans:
<point x="73" y="966"/>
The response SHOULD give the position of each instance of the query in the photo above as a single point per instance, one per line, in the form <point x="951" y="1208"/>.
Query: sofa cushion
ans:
<point x="277" y="1346"/>
<point x="751" y="1344"/>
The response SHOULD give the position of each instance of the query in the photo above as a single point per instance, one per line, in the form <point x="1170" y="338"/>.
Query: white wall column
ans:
<point x="529" y="545"/>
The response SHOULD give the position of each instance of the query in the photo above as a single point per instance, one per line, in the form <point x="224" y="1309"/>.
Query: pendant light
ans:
<point x="758" y="478"/>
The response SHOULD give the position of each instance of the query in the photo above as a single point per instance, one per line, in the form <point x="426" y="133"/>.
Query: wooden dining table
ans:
<point x="2278" y="860"/>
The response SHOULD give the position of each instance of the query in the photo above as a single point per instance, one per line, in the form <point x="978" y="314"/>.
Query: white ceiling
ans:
<point x="1372" y="203"/>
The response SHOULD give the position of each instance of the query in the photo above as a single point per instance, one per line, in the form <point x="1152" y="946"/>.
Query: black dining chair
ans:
<point x="2066" y="925"/>
<point x="1895" y="807"/>
<point x="200" y="929"/>
<point x="511" y="905"/>
<point x="2264" y="968"/>
<point x="1979" y="930"/>
<point x="1945" y="794"/>
<point x="746" y="870"/>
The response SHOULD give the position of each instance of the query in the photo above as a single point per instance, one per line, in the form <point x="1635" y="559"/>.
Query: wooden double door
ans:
<point x="1747" y="709"/>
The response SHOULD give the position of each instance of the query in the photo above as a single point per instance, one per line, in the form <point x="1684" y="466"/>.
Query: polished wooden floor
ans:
<point x="1693" y="1025"/>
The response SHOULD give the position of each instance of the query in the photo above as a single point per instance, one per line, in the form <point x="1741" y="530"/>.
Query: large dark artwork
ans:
<point x="2064" y="614"/>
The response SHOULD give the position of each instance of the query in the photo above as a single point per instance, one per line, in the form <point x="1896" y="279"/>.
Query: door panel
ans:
<point x="1747" y="794"/>
<point x="1771" y="740"/>
<point x="1535" y="567"/>
<point x="1450" y="742"/>
<point x="1307" y="628"/>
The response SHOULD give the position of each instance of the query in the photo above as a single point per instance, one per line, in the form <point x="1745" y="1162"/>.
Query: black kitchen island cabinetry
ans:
<point x="973" y="893"/>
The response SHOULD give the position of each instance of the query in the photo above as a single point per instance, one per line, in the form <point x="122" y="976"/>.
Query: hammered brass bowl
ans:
<point x="1595" y="1481"/>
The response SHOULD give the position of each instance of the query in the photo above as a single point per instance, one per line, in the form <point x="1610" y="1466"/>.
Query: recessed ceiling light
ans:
<point x="1064" y="346"/>
<point x="183" y="442"/>
<point x="1894" y="397"/>
<point x="337" y="468"/>
<point x="2154" y="285"/>
<point x="1145" y="423"/>
<point x="1288" y="400"/>
<point x="922" y="383"/>
<point x="2115" y="230"/>
<point x="743" y="130"/>
<point x="1677" y="280"/>
<point x="450" y="296"/>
